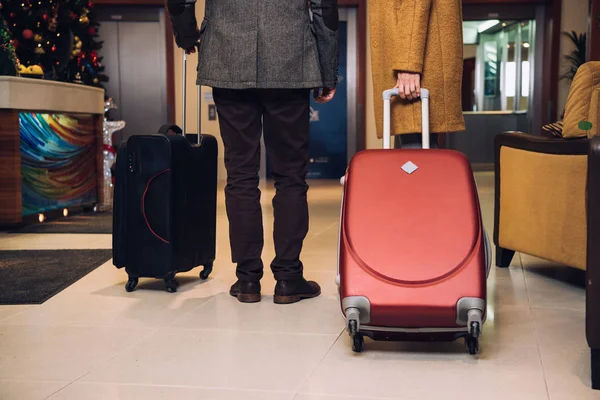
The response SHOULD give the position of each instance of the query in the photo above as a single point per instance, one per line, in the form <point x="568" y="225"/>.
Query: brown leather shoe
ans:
<point x="246" y="292"/>
<point x="292" y="291"/>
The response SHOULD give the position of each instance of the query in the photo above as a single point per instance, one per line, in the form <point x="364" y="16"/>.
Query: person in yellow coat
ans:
<point x="414" y="44"/>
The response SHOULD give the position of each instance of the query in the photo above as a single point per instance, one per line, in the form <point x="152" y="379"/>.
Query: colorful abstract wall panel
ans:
<point x="58" y="161"/>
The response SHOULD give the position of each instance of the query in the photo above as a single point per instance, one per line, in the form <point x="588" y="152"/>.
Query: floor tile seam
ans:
<point x="21" y="380"/>
<point x="547" y="307"/>
<point x="132" y="345"/>
<point x="322" y="231"/>
<point x="311" y="373"/>
<point x="64" y="325"/>
<point x="189" y="312"/>
<point x="178" y="386"/>
<point x="58" y="391"/>
<point x="18" y="313"/>
<point x="535" y="330"/>
<point x="280" y="333"/>
<point x="543" y="369"/>
<point x="346" y="396"/>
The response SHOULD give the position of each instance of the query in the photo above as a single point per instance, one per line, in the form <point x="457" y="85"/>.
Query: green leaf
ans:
<point x="585" y="125"/>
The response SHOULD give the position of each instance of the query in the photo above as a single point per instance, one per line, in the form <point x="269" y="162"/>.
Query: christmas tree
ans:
<point x="9" y="63"/>
<point x="56" y="39"/>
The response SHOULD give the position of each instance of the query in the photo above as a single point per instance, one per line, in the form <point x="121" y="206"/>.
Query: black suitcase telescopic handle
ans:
<point x="184" y="81"/>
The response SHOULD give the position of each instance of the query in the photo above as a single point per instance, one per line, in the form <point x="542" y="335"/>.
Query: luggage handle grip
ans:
<point x="184" y="103"/>
<point x="387" y="98"/>
<point x="168" y="127"/>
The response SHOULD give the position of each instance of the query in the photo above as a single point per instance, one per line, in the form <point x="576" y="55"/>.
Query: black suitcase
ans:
<point x="165" y="205"/>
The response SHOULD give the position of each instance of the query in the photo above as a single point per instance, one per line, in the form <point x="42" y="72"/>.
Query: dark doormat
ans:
<point x="100" y="222"/>
<point x="34" y="276"/>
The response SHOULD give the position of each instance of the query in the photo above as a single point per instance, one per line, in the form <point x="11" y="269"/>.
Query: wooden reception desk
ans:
<point x="50" y="147"/>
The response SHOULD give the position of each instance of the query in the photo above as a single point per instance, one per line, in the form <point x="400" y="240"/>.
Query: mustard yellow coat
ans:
<point x="422" y="36"/>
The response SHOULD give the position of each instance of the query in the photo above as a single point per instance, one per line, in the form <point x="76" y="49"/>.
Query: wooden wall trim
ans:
<point x="11" y="202"/>
<point x="594" y="31"/>
<point x="170" y="68"/>
<point x="361" y="106"/>
<point x="553" y="112"/>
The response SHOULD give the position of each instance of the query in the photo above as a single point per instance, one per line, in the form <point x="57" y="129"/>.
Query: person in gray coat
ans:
<point x="262" y="58"/>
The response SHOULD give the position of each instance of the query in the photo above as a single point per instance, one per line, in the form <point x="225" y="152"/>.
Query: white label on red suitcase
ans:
<point x="409" y="167"/>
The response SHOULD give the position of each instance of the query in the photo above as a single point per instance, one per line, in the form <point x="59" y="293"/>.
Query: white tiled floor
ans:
<point x="95" y="341"/>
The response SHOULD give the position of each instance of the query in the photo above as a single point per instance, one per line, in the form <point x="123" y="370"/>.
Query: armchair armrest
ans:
<point x="540" y="198"/>
<point x="540" y="144"/>
<point x="592" y="314"/>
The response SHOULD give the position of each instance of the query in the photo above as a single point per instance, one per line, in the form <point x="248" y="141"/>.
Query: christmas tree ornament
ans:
<point x="84" y="19"/>
<point x="33" y="71"/>
<point x="53" y="24"/>
<point x="38" y="38"/>
<point x="27" y="34"/>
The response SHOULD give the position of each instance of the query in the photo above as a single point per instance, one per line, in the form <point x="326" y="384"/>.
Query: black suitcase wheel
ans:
<point x="205" y="273"/>
<point x="131" y="284"/>
<point x="358" y="343"/>
<point x="171" y="284"/>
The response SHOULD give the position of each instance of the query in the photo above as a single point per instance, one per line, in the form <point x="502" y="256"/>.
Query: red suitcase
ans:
<point x="413" y="252"/>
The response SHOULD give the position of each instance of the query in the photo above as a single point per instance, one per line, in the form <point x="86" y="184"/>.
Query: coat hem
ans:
<point x="446" y="129"/>
<point x="260" y="85"/>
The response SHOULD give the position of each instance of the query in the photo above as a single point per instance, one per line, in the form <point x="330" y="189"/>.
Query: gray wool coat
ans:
<point x="264" y="44"/>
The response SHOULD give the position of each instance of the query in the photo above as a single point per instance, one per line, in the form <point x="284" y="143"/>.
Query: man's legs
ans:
<point x="240" y="120"/>
<point x="286" y="130"/>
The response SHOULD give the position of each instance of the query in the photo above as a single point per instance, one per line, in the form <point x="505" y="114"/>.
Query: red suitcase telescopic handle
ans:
<point x="387" y="97"/>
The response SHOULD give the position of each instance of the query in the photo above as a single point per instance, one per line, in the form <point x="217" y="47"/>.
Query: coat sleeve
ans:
<point x="412" y="24"/>
<point x="185" y="27"/>
<point x="325" y="25"/>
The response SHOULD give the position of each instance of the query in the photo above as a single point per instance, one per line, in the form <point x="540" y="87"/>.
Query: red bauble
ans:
<point x="12" y="15"/>
<point x="45" y="17"/>
<point x="53" y="47"/>
<point x="28" y="34"/>
<point x="90" y="4"/>
<point x="92" y="31"/>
